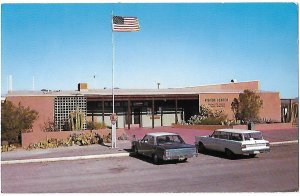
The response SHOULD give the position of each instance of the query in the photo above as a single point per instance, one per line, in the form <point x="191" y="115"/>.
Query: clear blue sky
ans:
<point x="178" y="45"/>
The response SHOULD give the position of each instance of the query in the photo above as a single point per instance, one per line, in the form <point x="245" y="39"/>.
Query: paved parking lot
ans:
<point x="276" y="171"/>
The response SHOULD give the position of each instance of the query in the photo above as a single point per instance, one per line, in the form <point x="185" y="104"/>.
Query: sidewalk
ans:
<point x="123" y="146"/>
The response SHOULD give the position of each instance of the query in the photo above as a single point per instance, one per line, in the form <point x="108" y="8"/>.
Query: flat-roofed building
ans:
<point x="141" y="107"/>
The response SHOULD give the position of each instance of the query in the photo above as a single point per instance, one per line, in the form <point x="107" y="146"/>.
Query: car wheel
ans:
<point x="155" y="159"/>
<point x="252" y="155"/>
<point x="201" y="148"/>
<point x="229" y="154"/>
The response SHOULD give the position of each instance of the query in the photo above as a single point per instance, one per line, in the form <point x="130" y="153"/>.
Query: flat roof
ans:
<point x="238" y="130"/>
<point x="120" y="92"/>
<point x="157" y="134"/>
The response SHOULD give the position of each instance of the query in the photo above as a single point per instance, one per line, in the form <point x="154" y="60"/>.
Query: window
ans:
<point x="216" y="134"/>
<point x="224" y="135"/>
<point x="151" y="140"/>
<point x="255" y="136"/>
<point x="146" y="138"/>
<point x="169" y="139"/>
<point x="236" y="137"/>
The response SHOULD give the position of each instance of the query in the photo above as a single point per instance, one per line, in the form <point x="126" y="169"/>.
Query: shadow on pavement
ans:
<point x="149" y="160"/>
<point x="223" y="155"/>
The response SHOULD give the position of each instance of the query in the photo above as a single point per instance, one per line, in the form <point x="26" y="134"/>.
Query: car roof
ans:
<point x="238" y="130"/>
<point x="156" y="134"/>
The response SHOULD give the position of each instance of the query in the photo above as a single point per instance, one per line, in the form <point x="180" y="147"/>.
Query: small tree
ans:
<point x="247" y="106"/>
<point x="14" y="120"/>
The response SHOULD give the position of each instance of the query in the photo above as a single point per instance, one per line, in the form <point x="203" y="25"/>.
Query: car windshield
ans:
<point x="169" y="139"/>
<point x="255" y="136"/>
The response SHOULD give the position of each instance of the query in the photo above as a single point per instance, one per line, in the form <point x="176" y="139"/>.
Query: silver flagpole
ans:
<point x="113" y="125"/>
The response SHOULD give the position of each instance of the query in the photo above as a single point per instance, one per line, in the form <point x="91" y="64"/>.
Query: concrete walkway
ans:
<point x="71" y="151"/>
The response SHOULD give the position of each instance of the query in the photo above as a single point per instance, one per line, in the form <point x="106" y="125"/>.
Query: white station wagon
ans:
<point x="234" y="142"/>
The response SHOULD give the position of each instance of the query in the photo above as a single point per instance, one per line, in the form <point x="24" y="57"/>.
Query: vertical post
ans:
<point x="113" y="126"/>
<point x="152" y="113"/>
<point x="128" y="114"/>
<point x="176" y="105"/>
<point x="102" y="110"/>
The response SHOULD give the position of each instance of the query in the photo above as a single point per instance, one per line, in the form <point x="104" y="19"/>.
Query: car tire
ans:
<point x="201" y="147"/>
<point x="229" y="154"/>
<point x="155" y="159"/>
<point x="252" y="155"/>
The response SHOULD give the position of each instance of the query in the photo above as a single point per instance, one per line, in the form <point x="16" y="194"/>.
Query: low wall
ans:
<point x="202" y="127"/>
<point x="272" y="126"/>
<point x="33" y="137"/>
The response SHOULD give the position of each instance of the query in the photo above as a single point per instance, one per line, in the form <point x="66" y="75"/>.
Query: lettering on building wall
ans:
<point x="216" y="102"/>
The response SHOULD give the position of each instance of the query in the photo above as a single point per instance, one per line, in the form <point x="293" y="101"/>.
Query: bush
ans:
<point x="95" y="125"/>
<point x="207" y="116"/>
<point x="87" y="139"/>
<point x="14" y="120"/>
<point x="6" y="148"/>
<point x="79" y="139"/>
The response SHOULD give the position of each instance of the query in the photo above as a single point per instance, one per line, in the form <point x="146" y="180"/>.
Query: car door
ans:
<point x="143" y="145"/>
<point x="149" y="146"/>
<point x="212" y="141"/>
<point x="222" y="141"/>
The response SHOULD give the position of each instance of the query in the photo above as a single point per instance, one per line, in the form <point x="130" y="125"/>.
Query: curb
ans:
<point x="64" y="158"/>
<point x="282" y="143"/>
<point x="98" y="156"/>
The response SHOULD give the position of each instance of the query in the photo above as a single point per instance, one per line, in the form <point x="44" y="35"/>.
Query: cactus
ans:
<point x="76" y="120"/>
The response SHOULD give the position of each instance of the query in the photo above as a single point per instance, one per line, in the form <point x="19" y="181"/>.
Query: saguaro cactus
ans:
<point x="76" y="120"/>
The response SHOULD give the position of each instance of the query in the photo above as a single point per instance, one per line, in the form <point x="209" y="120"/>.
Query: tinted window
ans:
<point x="169" y="139"/>
<point x="224" y="135"/>
<point x="216" y="134"/>
<point x="146" y="138"/>
<point x="236" y="137"/>
<point x="255" y="136"/>
<point x="151" y="140"/>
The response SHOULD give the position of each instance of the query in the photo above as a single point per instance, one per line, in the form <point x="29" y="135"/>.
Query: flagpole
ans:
<point x="113" y="126"/>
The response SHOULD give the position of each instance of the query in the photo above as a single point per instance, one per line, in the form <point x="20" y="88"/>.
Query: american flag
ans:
<point x="125" y="24"/>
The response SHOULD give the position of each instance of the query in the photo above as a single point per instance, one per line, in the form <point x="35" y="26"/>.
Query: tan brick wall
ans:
<point x="252" y="85"/>
<point x="42" y="104"/>
<point x="218" y="101"/>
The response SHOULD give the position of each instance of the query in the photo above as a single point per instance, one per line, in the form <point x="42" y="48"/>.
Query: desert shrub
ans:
<point x="95" y="125"/>
<point x="207" y="116"/>
<point x="7" y="148"/>
<point x="14" y="120"/>
<point x="87" y="139"/>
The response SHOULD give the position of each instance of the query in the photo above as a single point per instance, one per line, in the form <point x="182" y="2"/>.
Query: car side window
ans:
<point x="236" y="137"/>
<point x="224" y="135"/>
<point x="146" y="138"/>
<point x="151" y="140"/>
<point x="216" y="134"/>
